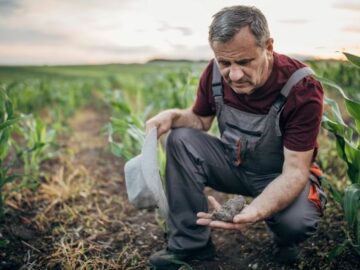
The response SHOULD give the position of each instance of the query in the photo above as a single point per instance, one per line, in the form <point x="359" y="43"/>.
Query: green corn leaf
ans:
<point x="353" y="107"/>
<point x="136" y="120"/>
<point x="352" y="206"/>
<point x="110" y="132"/>
<point x="347" y="150"/>
<point x="37" y="146"/>
<point x="137" y="134"/>
<point x="353" y="58"/>
<point x="4" y="143"/>
<point x="40" y="130"/>
<point x="117" y="149"/>
<point x="8" y="123"/>
<point x="9" y="108"/>
<point x="335" y="109"/>
<point x="357" y="126"/>
<point x="352" y="154"/>
<point x="119" y="124"/>
<point x="121" y="106"/>
<point x="333" y="85"/>
<point x="337" y="128"/>
<point x="340" y="148"/>
<point x="336" y="195"/>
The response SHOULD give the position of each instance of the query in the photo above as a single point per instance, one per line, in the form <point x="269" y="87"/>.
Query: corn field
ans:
<point x="65" y="133"/>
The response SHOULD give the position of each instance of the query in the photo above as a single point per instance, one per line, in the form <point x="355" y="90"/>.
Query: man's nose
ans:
<point x="235" y="73"/>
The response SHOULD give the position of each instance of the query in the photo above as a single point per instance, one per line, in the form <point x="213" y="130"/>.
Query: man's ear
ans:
<point x="269" y="45"/>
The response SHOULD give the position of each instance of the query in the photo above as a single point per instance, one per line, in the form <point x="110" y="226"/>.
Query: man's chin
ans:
<point x="243" y="90"/>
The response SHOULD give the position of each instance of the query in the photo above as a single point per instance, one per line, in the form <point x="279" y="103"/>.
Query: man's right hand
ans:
<point x="175" y="118"/>
<point x="162" y="121"/>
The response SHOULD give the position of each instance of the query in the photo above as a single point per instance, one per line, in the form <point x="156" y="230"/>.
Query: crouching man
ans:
<point x="268" y="108"/>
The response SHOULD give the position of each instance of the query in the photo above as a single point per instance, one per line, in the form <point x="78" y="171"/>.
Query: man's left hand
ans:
<point x="248" y="216"/>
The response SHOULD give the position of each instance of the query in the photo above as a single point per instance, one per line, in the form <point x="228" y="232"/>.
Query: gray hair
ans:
<point x="228" y="21"/>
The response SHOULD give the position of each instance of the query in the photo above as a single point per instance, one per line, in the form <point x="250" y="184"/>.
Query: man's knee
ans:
<point x="178" y="136"/>
<point x="290" y="229"/>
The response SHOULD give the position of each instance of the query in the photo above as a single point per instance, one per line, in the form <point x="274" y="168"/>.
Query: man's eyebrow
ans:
<point x="245" y="60"/>
<point x="221" y="60"/>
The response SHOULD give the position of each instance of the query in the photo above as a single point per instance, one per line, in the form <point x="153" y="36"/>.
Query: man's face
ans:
<point x="244" y="65"/>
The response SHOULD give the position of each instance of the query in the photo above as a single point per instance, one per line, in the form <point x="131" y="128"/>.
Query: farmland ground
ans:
<point x="80" y="218"/>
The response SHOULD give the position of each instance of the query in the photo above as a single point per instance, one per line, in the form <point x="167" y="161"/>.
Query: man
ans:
<point x="269" y="112"/>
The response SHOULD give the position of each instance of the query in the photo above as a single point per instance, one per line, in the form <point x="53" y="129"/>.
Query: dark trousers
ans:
<point x="195" y="160"/>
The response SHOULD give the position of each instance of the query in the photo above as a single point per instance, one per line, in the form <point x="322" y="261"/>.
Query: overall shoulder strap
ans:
<point x="297" y="76"/>
<point x="217" y="88"/>
<point x="278" y="105"/>
<point x="216" y="81"/>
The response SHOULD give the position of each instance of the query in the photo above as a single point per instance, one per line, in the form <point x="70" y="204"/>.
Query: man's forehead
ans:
<point x="242" y="39"/>
<point x="236" y="51"/>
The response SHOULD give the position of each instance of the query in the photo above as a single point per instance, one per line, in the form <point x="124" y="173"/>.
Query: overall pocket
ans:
<point x="238" y="142"/>
<point x="235" y="147"/>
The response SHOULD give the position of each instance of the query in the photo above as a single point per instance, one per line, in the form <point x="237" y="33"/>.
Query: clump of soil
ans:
<point x="229" y="209"/>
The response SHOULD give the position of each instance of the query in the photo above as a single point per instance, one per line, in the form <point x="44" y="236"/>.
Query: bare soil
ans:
<point x="80" y="218"/>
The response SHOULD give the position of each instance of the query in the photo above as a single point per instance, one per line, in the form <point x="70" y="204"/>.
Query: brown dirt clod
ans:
<point x="229" y="209"/>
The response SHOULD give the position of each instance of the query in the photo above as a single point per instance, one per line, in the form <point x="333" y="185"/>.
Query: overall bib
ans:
<point x="244" y="161"/>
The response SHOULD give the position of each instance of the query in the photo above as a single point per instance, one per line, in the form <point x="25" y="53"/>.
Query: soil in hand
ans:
<point x="229" y="209"/>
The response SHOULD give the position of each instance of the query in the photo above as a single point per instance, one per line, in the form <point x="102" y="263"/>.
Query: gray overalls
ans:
<point x="244" y="161"/>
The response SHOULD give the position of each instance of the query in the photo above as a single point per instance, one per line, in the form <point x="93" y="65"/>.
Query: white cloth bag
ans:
<point x="142" y="177"/>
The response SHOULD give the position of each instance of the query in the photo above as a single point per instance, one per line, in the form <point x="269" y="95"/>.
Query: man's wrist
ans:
<point x="260" y="213"/>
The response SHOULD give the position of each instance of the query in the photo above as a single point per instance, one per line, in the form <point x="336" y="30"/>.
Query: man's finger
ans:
<point x="243" y="218"/>
<point x="203" y="221"/>
<point x="222" y="225"/>
<point x="228" y="226"/>
<point x="204" y="215"/>
<point x="214" y="203"/>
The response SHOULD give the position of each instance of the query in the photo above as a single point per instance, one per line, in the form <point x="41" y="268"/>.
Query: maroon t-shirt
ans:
<point x="301" y="117"/>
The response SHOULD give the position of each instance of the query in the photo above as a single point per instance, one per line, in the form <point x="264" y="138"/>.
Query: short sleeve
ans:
<point x="301" y="118"/>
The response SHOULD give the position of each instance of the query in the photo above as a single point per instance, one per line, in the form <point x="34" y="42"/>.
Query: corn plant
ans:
<point x="172" y="89"/>
<point x="348" y="148"/>
<point x="343" y="73"/>
<point x="7" y="120"/>
<point x="131" y="130"/>
<point x="39" y="142"/>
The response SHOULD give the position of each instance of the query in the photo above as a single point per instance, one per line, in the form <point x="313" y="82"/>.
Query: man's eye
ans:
<point x="223" y="64"/>
<point x="244" y="62"/>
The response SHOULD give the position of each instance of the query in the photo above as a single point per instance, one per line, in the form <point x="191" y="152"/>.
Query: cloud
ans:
<point x="23" y="35"/>
<point x="185" y="31"/>
<point x="114" y="49"/>
<point x="7" y="7"/>
<point x="352" y="29"/>
<point x="349" y="5"/>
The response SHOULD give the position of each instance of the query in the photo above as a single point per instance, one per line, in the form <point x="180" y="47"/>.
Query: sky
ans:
<point x="50" y="32"/>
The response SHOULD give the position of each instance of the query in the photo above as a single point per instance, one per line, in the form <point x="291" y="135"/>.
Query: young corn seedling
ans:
<point x="39" y="140"/>
<point x="7" y="120"/>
